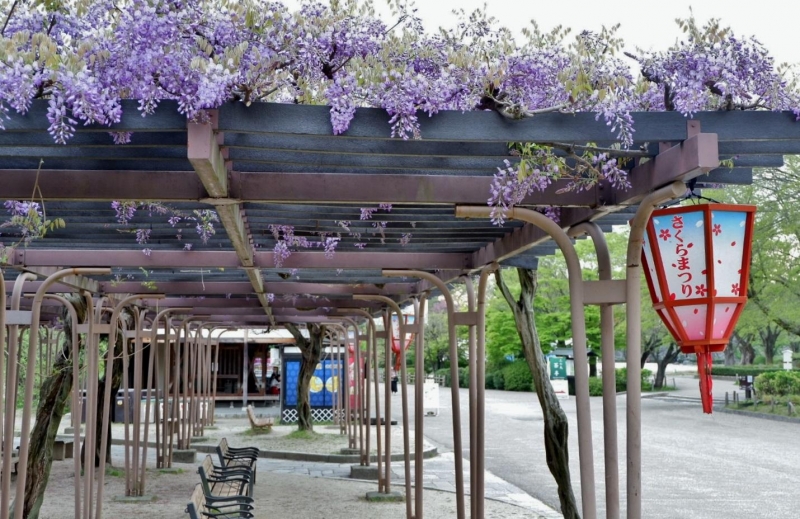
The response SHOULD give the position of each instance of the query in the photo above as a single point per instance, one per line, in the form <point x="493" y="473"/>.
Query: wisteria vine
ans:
<point x="85" y="56"/>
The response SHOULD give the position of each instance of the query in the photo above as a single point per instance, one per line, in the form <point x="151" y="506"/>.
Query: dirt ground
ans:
<point x="277" y="496"/>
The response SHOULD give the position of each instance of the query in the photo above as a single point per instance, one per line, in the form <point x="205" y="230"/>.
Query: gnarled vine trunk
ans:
<point x="556" y="427"/>
<point x="311" y="350"/>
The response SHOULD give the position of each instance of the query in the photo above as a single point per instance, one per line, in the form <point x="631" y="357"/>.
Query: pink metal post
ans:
<point x="73" y="315"/>
<point x="479" y="459"/>
<point x="610" y="447"/>
<point x="33" y="341"/>
<point x="11" y="393"/>
<point x="455" y="398"/>
<point x="473" y="401"/>
<point x="633" y="333"/>
<point x="585" y="453"/>
<point x="104" y="439"/>
<point x="368" y="364"/>
<point x="403" y="389"/>
<point x="359" y="415"/>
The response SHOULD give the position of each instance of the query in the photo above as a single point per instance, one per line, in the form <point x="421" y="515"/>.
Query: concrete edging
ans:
<point x="756" y="414"/>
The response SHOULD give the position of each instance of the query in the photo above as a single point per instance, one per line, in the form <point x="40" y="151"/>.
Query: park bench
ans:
<point x="63" y="448"/>
<point x="237" y="456"/>
<point x="225" y="481"/>
<point x="202" y="506"/>
<point x="258" y="424"/>
<point x="14" y="462"/>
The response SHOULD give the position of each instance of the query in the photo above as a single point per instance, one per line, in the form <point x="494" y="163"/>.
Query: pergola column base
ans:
<point x="364" y="472"/>
<point x="184" y="455"/>
<point x="135" y="499"/>
<point x="382" y="497"/>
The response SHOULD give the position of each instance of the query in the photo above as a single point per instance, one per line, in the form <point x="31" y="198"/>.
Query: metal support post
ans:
<point x="586" y="455"/>
<point x="403" y="390"/>
<point x="33" y="341"/>
<point x="610" y="447"/>
<point x="12" y="368"/>
<point x="479" y="459"/>
<point x="455" y="399"/>
<point x="633" y="333"/>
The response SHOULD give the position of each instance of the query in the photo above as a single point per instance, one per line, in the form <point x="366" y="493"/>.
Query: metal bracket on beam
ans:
<point x="19" y="317"/>
<point x="465" y="318"/>
<point x="604" y="292"/>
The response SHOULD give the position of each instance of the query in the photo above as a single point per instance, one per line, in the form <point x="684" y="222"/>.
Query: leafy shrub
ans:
<point x="778" y="383"/>
<point x="517" y="376"/>
<point x="444" y="372"/>
<point x="489" y="381"/>
<point x="760" y="360"/>
<point x="498" y="380"/>
<point x="595" y="386"/>
<point x="622" y="379"/>
<point x="463" y="377"/>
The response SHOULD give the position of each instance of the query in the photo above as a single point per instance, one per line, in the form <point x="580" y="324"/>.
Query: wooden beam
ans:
<point x="207" y="159"/>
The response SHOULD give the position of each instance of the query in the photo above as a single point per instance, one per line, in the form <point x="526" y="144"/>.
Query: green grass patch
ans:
<point x="304" y="435"/>
<point x="770" y="405"/>
<point x="114" y="472"/>
<point x="171" y="471"/>
<point x="256" y="432"/>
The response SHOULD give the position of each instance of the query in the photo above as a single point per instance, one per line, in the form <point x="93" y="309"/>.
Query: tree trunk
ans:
<point x="650" y="344"/>
<point x="730" y="355"/>
<point x="311" y="349"/>
<point x="670" y="356"/>
<point x="769" y="338"/>
<point x="556" y="427"/>
<point x="53" y="397"/>
<point x="746" y="347"/>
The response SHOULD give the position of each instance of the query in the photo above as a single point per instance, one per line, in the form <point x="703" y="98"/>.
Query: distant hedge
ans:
<point x="732" y="371"/>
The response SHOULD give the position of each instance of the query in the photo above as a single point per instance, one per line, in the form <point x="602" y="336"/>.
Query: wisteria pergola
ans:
<point x="278" y="164"/>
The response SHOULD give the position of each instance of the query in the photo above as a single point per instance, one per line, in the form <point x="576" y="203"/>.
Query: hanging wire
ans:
<point x="690" y="195"/>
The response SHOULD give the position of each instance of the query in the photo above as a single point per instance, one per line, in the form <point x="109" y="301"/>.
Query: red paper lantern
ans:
<point x="407" y="320"/>
<point x="697" y="264"/>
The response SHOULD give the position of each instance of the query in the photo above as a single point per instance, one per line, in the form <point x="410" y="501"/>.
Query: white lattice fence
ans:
<point x="318" y="415"/>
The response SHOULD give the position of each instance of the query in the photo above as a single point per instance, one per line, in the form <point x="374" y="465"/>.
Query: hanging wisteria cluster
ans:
<point x="201" y="219"/>
<point x="85" y="56"/>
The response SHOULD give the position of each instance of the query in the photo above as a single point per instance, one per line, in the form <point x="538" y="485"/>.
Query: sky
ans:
<point x="644" y="23"/>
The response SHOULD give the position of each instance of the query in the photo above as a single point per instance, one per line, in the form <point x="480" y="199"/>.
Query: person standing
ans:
<point x="394" y="381"/>
<point x="275" y="384"/>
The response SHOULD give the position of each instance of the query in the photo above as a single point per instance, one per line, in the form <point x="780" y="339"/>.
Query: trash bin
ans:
<point x="119" y="405"/>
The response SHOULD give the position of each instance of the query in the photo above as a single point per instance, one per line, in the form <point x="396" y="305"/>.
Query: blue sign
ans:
<point x="324" y="383"/>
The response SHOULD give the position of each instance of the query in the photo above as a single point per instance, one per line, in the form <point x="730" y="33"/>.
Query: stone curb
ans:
<point x="302" y="456"/>
<point x="756" y="414"/>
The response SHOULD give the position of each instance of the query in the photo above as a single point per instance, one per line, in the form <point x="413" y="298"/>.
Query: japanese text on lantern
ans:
<point x="682" y="251"/>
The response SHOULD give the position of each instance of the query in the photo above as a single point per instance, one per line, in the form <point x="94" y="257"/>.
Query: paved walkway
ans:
<point x="439" y="474"/>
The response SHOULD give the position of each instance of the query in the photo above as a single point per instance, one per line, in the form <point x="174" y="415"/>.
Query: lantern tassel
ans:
<point x="704" y="362"/>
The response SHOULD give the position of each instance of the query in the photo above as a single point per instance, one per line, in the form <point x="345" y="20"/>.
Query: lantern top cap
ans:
<point x="712" y="206"/>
